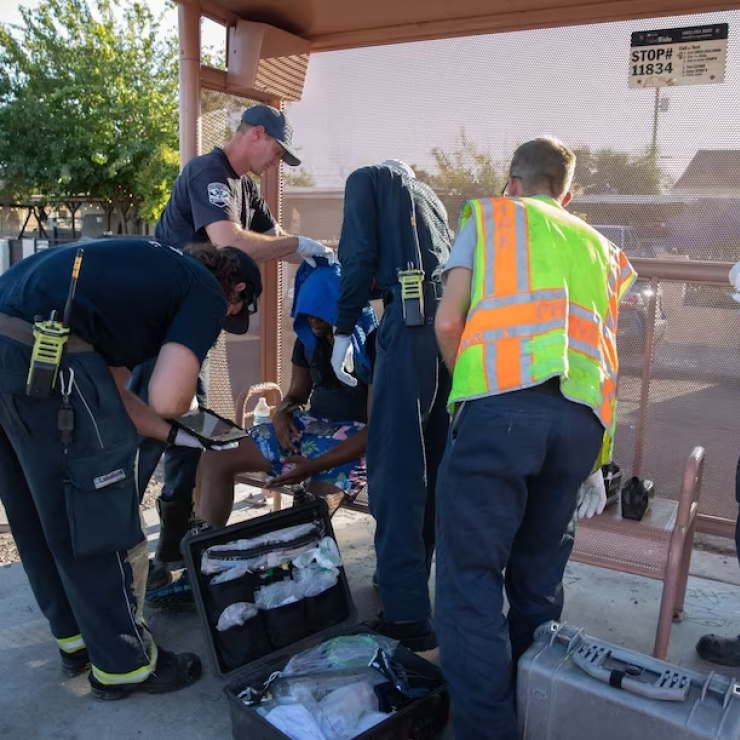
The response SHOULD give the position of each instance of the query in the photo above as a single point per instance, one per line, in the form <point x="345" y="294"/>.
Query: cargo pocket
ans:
<point x="285" y="624"/>
<point x="233" y="591"/>
<point x="325" y="609"/>
<point x="243" y="643"/>
<point x="102" y="501"/>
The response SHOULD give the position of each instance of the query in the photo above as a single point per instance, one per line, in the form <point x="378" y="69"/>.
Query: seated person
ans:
<point x="325" y="443"/>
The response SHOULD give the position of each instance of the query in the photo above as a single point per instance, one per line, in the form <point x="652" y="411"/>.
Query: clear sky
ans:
<point x="365" y="105"/>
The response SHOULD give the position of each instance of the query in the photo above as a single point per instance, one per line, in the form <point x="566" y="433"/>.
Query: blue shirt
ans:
<point x="133" y="296"/>
<point x="376" y="239"/>
<point x="208" y="190"/>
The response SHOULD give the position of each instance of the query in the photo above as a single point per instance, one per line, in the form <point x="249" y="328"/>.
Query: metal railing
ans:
<point x="688" y="387"/>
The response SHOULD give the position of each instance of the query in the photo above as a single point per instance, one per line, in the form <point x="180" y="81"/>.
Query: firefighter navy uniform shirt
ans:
<point x="207" y="191"/>
<point x="133" y="296"/>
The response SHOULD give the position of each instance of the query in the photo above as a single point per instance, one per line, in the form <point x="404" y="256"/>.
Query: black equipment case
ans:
<point x="278" y="634"/>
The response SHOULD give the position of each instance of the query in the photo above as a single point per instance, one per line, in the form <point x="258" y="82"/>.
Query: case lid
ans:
<point x="195" y="542"/>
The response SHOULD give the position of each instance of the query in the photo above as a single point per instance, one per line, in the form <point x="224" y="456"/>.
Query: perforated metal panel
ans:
<point x="234" y="361"/>
<point x="658" y="173"/>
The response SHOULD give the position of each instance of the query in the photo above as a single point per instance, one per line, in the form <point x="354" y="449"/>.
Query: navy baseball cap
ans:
<point x="277" y="125"/>
<point x="250" y="275"/>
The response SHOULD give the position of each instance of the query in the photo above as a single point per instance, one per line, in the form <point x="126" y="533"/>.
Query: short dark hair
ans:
<point x="223" y="265"/>
<point x="544" y="163"/>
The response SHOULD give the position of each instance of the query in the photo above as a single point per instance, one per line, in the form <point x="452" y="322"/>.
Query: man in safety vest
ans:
<point x="527" y="325"/>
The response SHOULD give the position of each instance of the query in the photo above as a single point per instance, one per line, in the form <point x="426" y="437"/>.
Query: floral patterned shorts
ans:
<point x="350" y="477"/>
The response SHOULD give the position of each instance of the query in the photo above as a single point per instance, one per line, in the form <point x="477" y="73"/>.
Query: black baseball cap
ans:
<point x="250" y="275"/>
<point x="277" y="125"/>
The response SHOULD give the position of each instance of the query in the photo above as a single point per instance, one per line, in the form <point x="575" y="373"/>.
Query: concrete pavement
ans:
<point x="36" y="703"/>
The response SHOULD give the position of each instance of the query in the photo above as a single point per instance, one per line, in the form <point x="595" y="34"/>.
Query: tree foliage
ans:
<point x="299" y="178"/>
<point x="465" y="172"/>
<point x="88" y="104"/>
<point x="606" y="171"/>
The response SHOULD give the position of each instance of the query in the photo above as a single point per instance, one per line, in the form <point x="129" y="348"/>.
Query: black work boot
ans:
<point x="73" y="664"/>
<point x="719" y="650"/>
<point x="173" y="672"/>
<point x="415" y="636"/>
<point x="174" y="516"/>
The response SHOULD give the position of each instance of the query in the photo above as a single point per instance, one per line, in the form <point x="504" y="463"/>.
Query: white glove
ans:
<point x="185" y="439"/>
<point x="310" y="248"/>
<point x="592" y="496"/>
<point x="342" y="360"/>
<point x="735" y="280"/>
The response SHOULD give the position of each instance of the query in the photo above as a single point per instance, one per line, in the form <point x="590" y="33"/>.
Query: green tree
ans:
<point x="465" y="172"/>
<point x="300" y="178"/>
<point x="606" y="171"/>
<point x="88" y="105"/>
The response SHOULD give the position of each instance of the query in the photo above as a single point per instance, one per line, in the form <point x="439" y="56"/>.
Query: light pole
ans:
<point x="660" y="105"/>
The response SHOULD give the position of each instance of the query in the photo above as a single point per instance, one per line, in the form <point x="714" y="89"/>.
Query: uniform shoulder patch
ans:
<point x="218" y="194"/>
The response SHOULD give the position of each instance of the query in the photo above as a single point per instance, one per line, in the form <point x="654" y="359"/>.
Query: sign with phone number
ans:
<point x="679" y="56"/>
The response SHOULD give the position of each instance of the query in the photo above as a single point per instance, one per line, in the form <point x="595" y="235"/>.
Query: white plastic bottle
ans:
<point x="261" y="412"/>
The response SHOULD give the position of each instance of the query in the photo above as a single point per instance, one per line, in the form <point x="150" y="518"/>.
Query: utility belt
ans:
<point x="21" y="331"/>
<point x="43" y="370"/>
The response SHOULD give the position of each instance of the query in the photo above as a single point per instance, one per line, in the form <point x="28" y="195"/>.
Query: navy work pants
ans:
<point x="406" y="439"/>
<point x="506" y="500"/>
<point x="180" y="463"/>
<point x="74" y="511"/>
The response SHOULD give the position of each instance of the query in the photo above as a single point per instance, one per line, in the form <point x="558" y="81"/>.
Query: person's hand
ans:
<point x="225" y="446"/>
<point x="735" y="280"/>
<point x="342" y="360"/>
<point x="285" y="430"/>
<point x="302" y="468"/>
<point x="184" y="439"/>
<point x="310" y="248"/>
<point x="592" y="496"/>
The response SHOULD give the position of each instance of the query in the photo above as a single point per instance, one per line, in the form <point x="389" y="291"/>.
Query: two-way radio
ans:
<point x="49" y="339"/>
<point x="412" y="280"/>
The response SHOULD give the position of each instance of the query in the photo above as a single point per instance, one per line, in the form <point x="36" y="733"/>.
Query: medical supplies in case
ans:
<point x="574" y="687"/>
<point x="279" y="624"/>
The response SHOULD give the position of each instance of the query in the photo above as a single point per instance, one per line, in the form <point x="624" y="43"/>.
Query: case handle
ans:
<point x="670" y="686"/>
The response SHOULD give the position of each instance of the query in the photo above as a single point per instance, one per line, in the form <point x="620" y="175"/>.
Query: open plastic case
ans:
<point x="261" y="553"/>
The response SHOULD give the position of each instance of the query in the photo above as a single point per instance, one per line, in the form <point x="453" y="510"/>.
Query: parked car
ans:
<point x="633" y="318"/>
<point x="626" y="239"/>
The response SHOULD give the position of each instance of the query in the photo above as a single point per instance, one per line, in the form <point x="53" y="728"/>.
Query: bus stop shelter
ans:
<point x="269" y="43"/>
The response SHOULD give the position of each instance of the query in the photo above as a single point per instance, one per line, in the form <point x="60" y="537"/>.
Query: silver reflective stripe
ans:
<point x="586" y="349"/>
<point x="488" y="283"/>
<point x="92" y="416"/>
<point x="490" y="360"/>
<point x="522" y="246"/>
<point x="523" y="330"/>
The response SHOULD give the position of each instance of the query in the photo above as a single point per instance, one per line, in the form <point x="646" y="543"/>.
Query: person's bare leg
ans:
<point x="331" y="494"/>
<point x="216" y="480"/>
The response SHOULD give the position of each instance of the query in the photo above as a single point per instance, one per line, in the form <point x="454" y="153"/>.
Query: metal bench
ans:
<point x="657" y="547"/>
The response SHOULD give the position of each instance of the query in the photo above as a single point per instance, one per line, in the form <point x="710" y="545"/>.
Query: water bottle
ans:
<point x="261" y="412"/>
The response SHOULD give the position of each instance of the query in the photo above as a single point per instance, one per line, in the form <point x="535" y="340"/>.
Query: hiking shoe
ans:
<point x="174" y="671"/>
<point x="415" y="636"/>
<point x="175" y="595"/>
<point x="720" y="650"/>
<point x="159" y="576"/>
<point x="74" y="664"/>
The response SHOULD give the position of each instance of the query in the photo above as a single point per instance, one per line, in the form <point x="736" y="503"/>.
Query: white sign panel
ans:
<point x="679" y="56"/>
